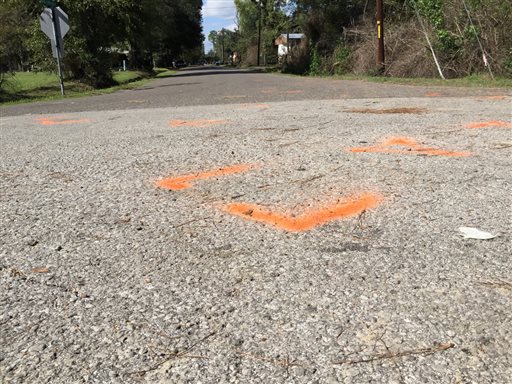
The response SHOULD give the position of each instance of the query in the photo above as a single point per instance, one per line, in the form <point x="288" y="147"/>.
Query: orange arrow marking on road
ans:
<point x="308" y="220"/>
<point x="489" y="124"/>
<point x="195" y="123"/>
<point x="184" y="181"/>
<point x="60" y="121"/>
<point x="412" y="147"/>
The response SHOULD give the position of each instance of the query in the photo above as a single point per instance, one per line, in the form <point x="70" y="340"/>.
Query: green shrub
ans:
<point x="508" y="63"/>
<point x="315" y="65"/>
<point x="341" y="58"/>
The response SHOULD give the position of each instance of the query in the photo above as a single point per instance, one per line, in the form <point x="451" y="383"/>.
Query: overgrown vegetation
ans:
<point x="467" y="36"/>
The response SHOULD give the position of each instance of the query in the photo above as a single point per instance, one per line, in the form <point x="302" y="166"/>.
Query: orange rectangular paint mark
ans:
<point x="184" y="182"/>
<point x="495" y="97"/>
<point x="249" y="105"/>
<point x="308" y="220"/>
<point x="489" y="124"/>
<point x="411" y="145"/>
<point x="433" y="94"/>
<point x="60" y="121"/>
<point x="195" y="123"/>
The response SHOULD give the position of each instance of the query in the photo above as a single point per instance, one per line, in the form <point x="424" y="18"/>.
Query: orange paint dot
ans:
<point x="488" y="124"/>
<point x="195" y="123"/>
<point x="60" y="121"/>
<point x="308" y="220"/>
<point x="411" y="146"/>
<point x="184" y="182"/>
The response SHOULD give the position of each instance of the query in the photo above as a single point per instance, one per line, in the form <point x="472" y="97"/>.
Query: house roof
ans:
<point x="292" y="35"/>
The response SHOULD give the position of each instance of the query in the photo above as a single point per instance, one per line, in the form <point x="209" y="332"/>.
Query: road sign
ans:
<point x="57" y="32"/>
<point x="46" y="21"/>
<point x="55" y="24"/>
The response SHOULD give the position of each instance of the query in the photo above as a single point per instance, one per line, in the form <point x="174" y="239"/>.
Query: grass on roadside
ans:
<point x="164" y="72"/>
<point x="25" y="87"/>
<point x="473" y="81"/>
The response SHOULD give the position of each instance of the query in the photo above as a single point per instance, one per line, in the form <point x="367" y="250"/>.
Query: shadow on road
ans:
<point x="164" y="86"/>
<point x="208" y="71"/>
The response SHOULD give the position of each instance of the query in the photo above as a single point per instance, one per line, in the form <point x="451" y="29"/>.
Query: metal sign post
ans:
<point x="54" y="23"/>
<point x="58" y="46"/>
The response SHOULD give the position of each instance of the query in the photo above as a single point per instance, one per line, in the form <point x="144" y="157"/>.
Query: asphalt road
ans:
<point x="219" y="85"/>
<point x="251" y="228"/>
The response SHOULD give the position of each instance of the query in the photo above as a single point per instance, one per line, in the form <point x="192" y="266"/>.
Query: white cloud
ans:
<point x="231" y="27"/>
<point x="224" y="9"/>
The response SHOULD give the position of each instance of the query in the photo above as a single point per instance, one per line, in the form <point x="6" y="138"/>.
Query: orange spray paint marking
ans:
<point x="60" y="121"/>
<point x="308" y="220"/>
<point x="489" y="124"/>
<point x="495" y="97"/>
<point x="249" y="105"/>
<point x="294" y="92"/>
<point x="433" y="94"/>
<point x="411" y="145"/>
<point x="183" y="182"/>
<point x="195" y="123"/>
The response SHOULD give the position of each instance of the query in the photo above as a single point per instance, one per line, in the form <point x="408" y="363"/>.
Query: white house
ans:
<point x="286" y="40"/>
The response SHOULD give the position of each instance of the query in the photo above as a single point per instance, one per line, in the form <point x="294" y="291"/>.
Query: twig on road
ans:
<point x="285" y="363"/>
<point x="389" y="355"/>
<point x="322" y="125"/>
<point x="304" y="181"/>
<point x="436" y="133"/>
<point x="182" y="354"/>
<point x="359" y="224"/>
<point x="191" y="221"/>
<point x="502" y="145"/>
<point x="496" y="284"/>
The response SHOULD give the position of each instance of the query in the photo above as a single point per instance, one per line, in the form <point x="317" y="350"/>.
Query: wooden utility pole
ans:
<point x="259" y="32"/>
<point x="380" y="35"/>
<point x="222" y="45"/>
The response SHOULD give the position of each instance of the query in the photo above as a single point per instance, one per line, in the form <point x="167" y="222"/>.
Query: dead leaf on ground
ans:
<point x="40" y="270"/>
<point x="475" y="233"/>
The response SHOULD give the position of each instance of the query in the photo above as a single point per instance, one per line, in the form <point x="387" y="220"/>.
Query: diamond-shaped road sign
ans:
<point x="57" y="32"/>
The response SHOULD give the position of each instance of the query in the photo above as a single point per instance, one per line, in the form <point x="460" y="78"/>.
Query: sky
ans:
<point x="217" y="14"/>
